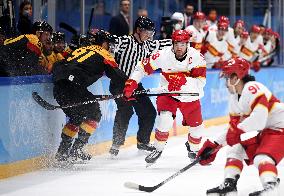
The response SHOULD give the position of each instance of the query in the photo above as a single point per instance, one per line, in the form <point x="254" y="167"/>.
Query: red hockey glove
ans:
<point x="218" y="65"/>
<point x="220" y="54"/>
<point x="206" y="148"/>
<point x="234" y="134"/>
<point x="255" y="66"/>
<point x="129" y="88"/>
<point x="176" y="81"/>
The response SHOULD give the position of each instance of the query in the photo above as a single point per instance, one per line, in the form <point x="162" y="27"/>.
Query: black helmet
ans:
<point x="99" y="36"/>
<point x="144" y="23"/>
<point x="41" y="26"/>
<point x="78" y="41"/>
<point x="58" y="36"/>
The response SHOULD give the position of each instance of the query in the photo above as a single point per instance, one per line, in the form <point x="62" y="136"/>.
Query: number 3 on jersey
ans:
<point x="253" y="88"/>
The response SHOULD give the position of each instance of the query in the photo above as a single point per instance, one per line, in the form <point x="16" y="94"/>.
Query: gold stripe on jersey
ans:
<point x="247" y="51"/>
<point x="212" y="49"/>
<point x="83" y="53"/>
<point x="33" y="39"/>
<point x="231" y="49"/>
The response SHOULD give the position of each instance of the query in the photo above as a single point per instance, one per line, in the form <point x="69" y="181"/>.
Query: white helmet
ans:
<point x="177" y="16"/>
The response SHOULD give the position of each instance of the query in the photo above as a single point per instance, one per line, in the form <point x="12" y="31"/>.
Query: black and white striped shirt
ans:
<point x="128" y="51"/>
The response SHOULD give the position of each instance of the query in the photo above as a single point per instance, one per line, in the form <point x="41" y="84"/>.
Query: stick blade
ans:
<point x="42" y="102"/>
<point x="131" y="185"/>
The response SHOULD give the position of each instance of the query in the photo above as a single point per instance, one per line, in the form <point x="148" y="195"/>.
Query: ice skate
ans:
<point x="227" y="188"/>
<point x="152" y="158"/>
<point x="270" y="189"/>
<point x="191" y="154"/>
<point x="145" y="147"/>
<point x="113" y="151"/>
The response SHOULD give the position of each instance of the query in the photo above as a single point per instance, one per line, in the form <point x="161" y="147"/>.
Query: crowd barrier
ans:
<point x="30" y="134"/>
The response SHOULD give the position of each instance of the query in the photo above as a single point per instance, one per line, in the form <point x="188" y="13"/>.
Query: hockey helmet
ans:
<point x="181" y="36"/>
<point x="223" y="26"/>
<point x="144" y="23"/>
<point x="199" y="16"/>
<point x="238" y="66"/>
<point x="224" y="19"/>
<point x="244" y="35"/>
<point x="255" y="29"/>
<point x="99" y="37"/>
<point x="41" y="26"/>
<point x="240" y="23"/>
<point x="177" y="16"/>
<point x="58" y="36"/>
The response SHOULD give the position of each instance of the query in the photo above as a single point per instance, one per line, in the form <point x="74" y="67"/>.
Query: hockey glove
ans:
<point x="234" y="134"/>
<point x="255" y="66"/>
<point x="206" y="148"/>
<point x="176" y="81"/>
<point x="129" y="88"/>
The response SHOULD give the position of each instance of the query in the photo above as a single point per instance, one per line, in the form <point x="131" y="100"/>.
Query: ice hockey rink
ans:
<point x="105" y="176"/>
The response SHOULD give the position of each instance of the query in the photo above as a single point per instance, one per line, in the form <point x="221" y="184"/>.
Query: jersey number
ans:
<point x="81" y="54"/>
<point x="253" y="89"/>
<point x="155" y="56"/>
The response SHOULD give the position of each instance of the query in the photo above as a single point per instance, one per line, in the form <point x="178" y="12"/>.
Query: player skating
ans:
<point x="183" y="69"/>
<point x="252" y="107"/>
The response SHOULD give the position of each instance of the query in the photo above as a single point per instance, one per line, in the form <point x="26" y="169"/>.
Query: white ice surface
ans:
<point x="105" y="176"/>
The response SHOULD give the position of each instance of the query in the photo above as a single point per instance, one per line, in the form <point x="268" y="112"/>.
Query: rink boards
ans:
<point x="30" y="134"/>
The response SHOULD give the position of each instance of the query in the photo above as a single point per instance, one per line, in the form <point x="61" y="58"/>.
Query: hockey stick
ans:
<point x="49" y="106"/>
<point x="68" y="28"/>
<point x="149" y="189"/>
<point x="91" y="19"/>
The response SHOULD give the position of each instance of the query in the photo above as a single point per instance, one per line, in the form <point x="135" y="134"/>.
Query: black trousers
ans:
<point x="66" y="92"/>
<point x="145" y="111"/>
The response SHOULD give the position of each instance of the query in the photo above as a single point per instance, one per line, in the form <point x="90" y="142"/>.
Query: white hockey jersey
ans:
<point x="196" y="38"/>
<point x="216" y="50"/>
<point x="249" y="49"/>
<point x="233" y="42"/>
<point x="256" y="109"/>
<point x="193" y="67"/>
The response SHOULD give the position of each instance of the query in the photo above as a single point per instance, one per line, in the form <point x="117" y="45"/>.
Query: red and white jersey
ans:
<point x="249" y="49"/>
<point x="233" y="42"/>
<point x="212" y="26"/>
<point x="257" y="108"/>
<point x="193" y="67"/>
<point x="216" y="50"/>
<point x="197" y="37"/>
<point x="267" y="49"/>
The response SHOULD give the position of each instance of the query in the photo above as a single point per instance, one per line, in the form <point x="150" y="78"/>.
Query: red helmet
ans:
<point x="240" y="23"/>
<point x="224" y="19"/>
<point x="181" y="36"/>
<point x="255" y="29"/>
<point x="244" y="34"/>
<point x="223" y="26"/>
<point x="199" y="15"/>
<point x="236" y="65"/>
<point x="276" y="35"/>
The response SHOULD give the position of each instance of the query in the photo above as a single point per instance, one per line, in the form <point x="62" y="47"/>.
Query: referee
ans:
<point x="128" y="51"/>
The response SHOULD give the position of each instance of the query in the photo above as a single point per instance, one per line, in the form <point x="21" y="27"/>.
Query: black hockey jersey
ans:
<point x="20" y="56"/>
<point x="86" y="65"/>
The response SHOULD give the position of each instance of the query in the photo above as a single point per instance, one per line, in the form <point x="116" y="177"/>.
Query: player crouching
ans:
<point x="255" y="109"/>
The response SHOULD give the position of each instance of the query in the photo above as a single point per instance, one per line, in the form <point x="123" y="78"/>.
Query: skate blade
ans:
<point x="149" y="164"/>
<point x="223" y="194"/>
